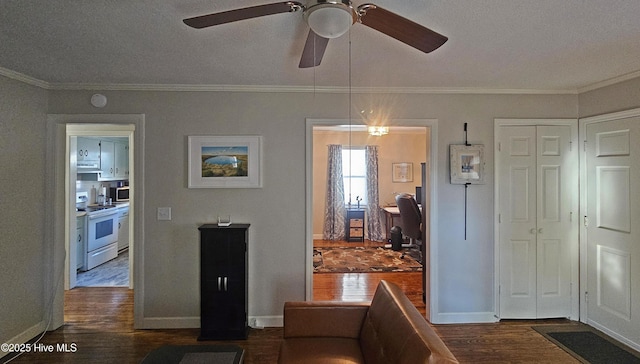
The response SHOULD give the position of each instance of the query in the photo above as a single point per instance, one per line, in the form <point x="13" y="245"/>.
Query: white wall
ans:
<point x="277" y="211"/>
<point x="22" y="216"/>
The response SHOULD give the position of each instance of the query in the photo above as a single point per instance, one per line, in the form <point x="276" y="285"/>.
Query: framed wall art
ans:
<point x="402" y="172"/>
<point x="225" y="161"/>
<point x="467" y="164"/>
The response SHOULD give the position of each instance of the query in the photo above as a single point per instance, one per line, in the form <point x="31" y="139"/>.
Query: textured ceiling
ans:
<point x="562" y="45"/>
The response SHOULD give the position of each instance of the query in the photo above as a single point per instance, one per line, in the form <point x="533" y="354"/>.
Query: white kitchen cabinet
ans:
<point x="88" y="150"/>
<point x="107" y="160"/>
<point x="80" y="236"/>
<point x="114" y="160"/>
<point x="123" y="227"/>
<point x="121" y="160"/>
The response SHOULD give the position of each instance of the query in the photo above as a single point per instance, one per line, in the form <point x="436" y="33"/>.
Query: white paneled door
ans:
<point x="537" y="187"/>
<point x="612" y="153"/>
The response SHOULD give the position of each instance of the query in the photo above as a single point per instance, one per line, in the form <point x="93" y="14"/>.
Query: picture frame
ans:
<point x="224" y="161"/>
<point x="402" y="172"/>
<point x="467" y="164"/>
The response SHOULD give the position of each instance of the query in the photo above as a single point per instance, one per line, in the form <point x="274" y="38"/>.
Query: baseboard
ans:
<point x="25" y="336"/>
<point x="257" y="322"/>
<point x="260" y="322"/>
<point x="632" y="344"/>
<point x="170" y="323"/>
<point x="464" y="318"/>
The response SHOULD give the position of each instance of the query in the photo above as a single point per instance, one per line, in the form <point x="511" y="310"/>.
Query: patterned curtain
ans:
<point x="374" y="221"/>
<point x="334" y="212"/>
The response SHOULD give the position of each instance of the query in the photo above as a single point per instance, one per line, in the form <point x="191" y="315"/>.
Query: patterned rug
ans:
<point x="363" y="260"/>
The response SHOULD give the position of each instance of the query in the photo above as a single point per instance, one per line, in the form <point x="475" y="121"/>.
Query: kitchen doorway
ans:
<point x="99" y="165"/>
<point x="63" y="209"/>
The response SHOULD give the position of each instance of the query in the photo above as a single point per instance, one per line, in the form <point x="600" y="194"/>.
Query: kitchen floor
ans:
<point x="114" y="273"/>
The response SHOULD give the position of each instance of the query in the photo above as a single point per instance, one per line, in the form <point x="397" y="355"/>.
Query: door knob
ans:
<point x="540" y="231"/>
<point x="533" y="231"/>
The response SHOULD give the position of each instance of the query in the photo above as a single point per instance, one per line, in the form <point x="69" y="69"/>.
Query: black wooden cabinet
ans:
<point x="223" y="282"/>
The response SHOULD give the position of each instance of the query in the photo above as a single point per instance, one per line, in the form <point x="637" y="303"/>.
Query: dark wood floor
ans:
<point x="99" y="321"/>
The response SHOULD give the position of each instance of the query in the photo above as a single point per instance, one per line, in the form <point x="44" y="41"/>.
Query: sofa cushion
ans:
<point x="320" y="350"/>
<point x="317" y="319"/>
<point x="395" y="332"/>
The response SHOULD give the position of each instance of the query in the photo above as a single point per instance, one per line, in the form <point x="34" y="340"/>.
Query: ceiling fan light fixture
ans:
<point x="330" y="19"/>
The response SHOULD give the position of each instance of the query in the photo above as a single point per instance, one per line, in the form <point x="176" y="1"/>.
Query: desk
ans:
<point x="392" y="218"/>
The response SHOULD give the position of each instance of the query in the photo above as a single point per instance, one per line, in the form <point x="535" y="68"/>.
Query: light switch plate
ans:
<point x="164" y="213"/>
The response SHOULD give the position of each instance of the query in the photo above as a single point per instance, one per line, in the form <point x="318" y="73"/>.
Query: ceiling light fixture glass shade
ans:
<point x="330" y="19"/>
<point x="378" y="130"/>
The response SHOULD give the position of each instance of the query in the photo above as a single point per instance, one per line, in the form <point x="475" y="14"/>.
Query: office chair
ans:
<point x="410" y="220"/>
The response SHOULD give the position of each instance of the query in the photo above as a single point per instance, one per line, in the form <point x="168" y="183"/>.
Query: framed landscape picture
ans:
<point x="225" y="162"/>
<point x="467" y="164"/>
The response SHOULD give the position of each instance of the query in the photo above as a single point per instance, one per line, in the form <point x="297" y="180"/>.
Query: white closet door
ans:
<point x="613" y="213"/>
<point x="535" y="192"/>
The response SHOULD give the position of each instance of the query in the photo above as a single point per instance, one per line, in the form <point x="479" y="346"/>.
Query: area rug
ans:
<point x="364" y="260"/>
<point x="588" y="345"/>
<point x="195" y="354"/>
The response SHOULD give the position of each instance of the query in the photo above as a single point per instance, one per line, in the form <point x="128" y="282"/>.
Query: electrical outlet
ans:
<point x="164" y="213"/>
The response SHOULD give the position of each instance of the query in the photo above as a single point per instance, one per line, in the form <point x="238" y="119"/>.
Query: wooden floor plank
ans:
<point x="99" y="321"/>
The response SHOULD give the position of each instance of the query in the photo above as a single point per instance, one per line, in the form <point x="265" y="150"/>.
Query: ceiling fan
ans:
<point x="330" y="19"/>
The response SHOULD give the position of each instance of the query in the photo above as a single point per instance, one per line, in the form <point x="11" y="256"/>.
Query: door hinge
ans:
<point x="586" y="221"/>
<point x="499" y="147"/>
<point x="499" y="218"/>
<point x="584" y="146"/>
<point x="586" y="296"/>
<point x="570" y="146"/>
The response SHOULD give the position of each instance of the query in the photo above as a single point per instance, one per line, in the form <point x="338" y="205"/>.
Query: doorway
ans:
<point x="537" y="218"/>
<point x="338" y="132"/>
<point x="63" y="208"/>
<point x="99" y="165"/>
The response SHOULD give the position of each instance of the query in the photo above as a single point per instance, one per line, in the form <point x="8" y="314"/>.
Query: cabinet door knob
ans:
<point x="225" y="284"/>
<point x="219" y="283"/>
<point x="532" y="231"/>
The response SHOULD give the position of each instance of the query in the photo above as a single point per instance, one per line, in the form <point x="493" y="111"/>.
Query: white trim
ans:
<point x="260" y="322"/>
<point x="614" y="335"/>
<point x="25" y="336"/>
<point x="464" y="318"/>
<point x="575" y="256"/>
<point x="77" y="86"/>
<point x="24" y="78"/>
<point x="609" y="82"/>
<point x="304" y="89"/>
<point x="170" y="322"/>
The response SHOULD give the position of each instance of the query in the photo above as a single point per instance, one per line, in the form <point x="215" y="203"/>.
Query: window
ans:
<point x="354" y="171"/>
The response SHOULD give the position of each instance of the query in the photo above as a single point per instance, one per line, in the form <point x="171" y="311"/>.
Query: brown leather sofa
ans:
<point x="388" y="330"/>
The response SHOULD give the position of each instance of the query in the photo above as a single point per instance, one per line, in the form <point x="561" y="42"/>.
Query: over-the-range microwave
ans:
<point x="119" y="194"/>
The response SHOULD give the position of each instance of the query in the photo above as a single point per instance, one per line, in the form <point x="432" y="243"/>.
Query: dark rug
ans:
<point x="365" y="260"/>
<point x="195" y="354"/>
<point x="589" y="345"/>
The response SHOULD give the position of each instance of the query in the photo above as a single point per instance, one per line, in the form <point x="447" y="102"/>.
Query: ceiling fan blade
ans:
<point x="209" y="20"/>
<point x="313" y="50"/>
<point x="400" y="28"/>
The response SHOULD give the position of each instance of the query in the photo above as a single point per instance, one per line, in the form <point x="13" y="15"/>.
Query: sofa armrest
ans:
<point x="324" y="319"/>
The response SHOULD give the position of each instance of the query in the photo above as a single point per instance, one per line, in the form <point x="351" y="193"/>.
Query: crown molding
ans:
<point x="300" y="89"/>
<point x="305" y="89"/>
<point x="609" y="82"/>
<point x="24" y="78"/>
